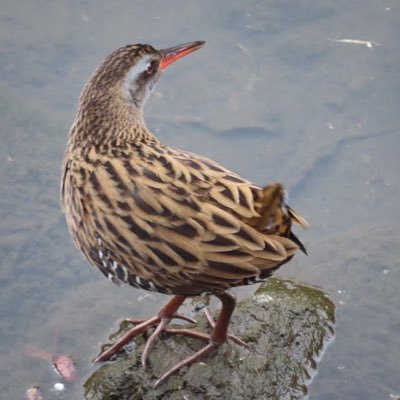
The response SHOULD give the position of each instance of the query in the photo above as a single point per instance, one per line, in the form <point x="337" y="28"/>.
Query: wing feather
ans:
<point x="184" y="221"/>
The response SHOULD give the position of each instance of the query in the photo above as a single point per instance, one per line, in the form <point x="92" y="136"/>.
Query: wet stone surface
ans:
<point x="286" y="326"/>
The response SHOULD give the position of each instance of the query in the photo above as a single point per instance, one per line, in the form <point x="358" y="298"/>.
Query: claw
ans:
<point x="210" y="318"/>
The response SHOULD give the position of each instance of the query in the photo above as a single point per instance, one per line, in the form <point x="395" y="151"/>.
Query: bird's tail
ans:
<point x="276" y="217"/>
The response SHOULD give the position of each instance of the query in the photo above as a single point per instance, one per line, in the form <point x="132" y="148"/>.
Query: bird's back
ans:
<point x="171" y="221"/>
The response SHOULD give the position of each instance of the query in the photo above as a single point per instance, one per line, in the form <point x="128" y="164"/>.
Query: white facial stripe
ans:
<point x="133" y="73"/>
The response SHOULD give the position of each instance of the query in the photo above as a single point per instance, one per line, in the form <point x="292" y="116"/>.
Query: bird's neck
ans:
<point x="107" y="122"/>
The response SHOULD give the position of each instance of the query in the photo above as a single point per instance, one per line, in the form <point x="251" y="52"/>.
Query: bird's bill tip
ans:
<point x="174" y="53"/>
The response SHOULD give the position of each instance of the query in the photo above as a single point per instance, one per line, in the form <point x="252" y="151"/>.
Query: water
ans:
<point x="275" y="95"/>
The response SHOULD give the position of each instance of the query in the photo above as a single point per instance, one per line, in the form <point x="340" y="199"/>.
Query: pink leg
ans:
<point x="211" y="321"/>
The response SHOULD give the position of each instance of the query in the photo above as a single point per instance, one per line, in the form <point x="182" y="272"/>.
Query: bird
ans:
<point x="159" y="218"/>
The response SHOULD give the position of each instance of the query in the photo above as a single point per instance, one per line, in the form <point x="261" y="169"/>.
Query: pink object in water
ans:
<point x="65" y="366"/>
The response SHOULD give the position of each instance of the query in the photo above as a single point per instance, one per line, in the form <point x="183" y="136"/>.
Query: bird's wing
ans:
<point x="184" y="221"/>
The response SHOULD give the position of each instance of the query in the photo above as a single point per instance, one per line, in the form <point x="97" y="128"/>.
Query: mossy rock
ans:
<point x="286" y="326"/>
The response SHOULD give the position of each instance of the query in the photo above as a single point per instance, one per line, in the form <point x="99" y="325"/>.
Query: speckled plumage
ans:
<point x="157" y="217"/>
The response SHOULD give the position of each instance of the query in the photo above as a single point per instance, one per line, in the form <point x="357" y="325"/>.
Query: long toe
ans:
<point x="150" y="341"/>
<point x="135" y="331"/>
<point x="173" y="316"/>
<point x="189" y="332"/>
<point x="196" y="357"/>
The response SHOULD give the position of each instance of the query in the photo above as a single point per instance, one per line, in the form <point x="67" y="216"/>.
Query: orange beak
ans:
<point x="174" y="53"/>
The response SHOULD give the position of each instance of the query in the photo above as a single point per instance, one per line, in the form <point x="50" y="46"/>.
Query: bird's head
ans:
<point x="133" y="70"/>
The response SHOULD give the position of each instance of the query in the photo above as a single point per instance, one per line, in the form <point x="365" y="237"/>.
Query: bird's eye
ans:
<point x="151" y="67"/>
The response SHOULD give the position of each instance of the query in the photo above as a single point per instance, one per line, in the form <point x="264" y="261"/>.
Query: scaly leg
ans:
<point x="211" y="321"/>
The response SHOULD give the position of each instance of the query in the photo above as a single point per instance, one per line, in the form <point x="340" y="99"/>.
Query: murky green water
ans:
<point x="275" y="95"/>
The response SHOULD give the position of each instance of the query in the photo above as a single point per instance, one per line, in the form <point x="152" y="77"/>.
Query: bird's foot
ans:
<point x="142" y="326"/>
<point x="166" y="314"/>
<point x="199" y="355"/>
<point x="218" y="336"/>
<point x="214" y="342"/>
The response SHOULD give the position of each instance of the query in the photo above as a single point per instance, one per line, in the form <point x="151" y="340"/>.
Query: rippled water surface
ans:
<point x="303" y="92"/>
